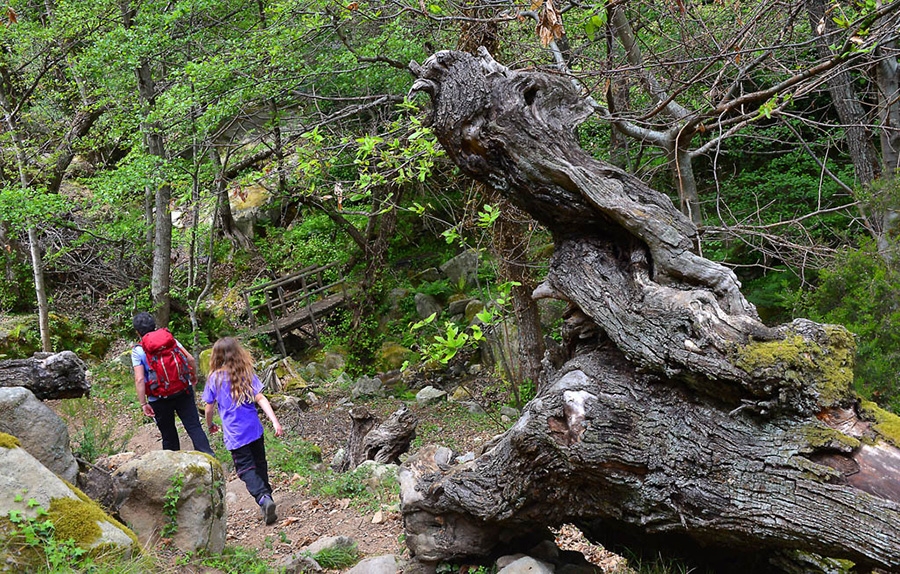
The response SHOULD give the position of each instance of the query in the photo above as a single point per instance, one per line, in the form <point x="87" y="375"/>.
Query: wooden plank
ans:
<point x="303" y="316"/>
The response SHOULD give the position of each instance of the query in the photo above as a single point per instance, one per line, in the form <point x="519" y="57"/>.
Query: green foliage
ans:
<point x="293" y="455"/>
<point x="36" y="539"/>
<point x="337" y="557"/>
<point x="16" y="284"/>
<point x="313" y="241"/>
<point x="447" y="342"/>
<point x="170" y="506"/>
<point x="860" y="292"/>
<point x="232" y="560"/>
<point x="92" y="433"/>
<point x="771" y="294"/>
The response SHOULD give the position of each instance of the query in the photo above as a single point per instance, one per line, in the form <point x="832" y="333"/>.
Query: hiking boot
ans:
<point x="267" y="507"/>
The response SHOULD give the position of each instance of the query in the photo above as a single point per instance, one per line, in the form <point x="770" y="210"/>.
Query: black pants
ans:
<point x="250" y="465"/>
<point x="183" y="404"/>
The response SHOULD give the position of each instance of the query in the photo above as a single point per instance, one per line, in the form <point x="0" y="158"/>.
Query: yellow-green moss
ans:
<point x="79" y="521"/>
<point x="8" y="441"/>
<point x="819" y="435"/>
<point x="200" y="471"/>
<point x="887" y="424"/>
<point x="76" y="520"/>
<point x="828" y="369"/>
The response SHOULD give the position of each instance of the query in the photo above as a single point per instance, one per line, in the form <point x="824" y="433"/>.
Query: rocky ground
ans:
<point x="302" y="516"/>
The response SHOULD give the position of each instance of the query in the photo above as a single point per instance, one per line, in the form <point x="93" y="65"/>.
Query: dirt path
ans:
<point x="301" y="519"/>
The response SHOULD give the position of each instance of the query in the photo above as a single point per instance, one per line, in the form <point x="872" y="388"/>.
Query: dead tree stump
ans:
<point x="383" y="443"/>
<point x="679" y="421"/>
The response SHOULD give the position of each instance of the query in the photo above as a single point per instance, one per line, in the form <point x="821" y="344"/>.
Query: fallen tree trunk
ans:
<point x="47" y="375"/>
<point x="679" y="421"/>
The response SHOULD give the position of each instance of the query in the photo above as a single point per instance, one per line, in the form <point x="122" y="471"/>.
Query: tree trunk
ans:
<point x="511" y="249"/>
<point x="160" y="277"/>
<point x="679" y="421"/>
<point x="40" y="289"/>
<point x="866" y="162"/>
<point x="48" y="376"/>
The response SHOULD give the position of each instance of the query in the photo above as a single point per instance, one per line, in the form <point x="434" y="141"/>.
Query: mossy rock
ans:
<point x="391" y="356"/>
<point x="35" y="494"/>
<point x="203" y="361"/>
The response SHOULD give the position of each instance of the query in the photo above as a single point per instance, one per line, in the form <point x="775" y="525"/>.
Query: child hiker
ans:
<point x="234" y="388"/>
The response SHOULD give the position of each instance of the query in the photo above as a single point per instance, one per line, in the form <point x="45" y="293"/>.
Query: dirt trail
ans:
<point x="301" y="519"/>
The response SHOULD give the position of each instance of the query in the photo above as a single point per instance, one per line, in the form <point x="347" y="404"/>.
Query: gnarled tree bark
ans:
<point x="679" y="421"/>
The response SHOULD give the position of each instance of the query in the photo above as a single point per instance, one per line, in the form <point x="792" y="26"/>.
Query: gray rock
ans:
<point x="526" y="565"/>
<point x="389" y="564"/>
<point x="462" y="269"/>
<point x="509" y="411"/>
<point x="464" y="458"/>
<point x="40" y="431"/>
<point x="299" y="564"/>
<point x="330" y="543"/>
<point x="334" y="360"/>
<point x="473" y="407"/>
<point x="430" y="395"/>
<point x="426" y="305"/>
<point x="458" y="307"/>
<point x="201" y="503"/>
<point x="429" y="275"/>
<point x="367" y="387"/>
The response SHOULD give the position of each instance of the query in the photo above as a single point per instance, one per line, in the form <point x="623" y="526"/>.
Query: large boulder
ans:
<point x="391" y="356"/>
<point x="40" y="430"/>
<point x="462" y="270"/>
<point x="28" y="488"/>
<point x="196" y="480"/>
<point x="426" y="305"/>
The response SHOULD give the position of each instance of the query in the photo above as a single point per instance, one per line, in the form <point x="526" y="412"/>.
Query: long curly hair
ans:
<point x="230" y="358"/>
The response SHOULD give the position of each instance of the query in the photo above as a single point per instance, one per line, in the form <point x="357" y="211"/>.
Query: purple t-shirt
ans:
<point x="240" y="423"/>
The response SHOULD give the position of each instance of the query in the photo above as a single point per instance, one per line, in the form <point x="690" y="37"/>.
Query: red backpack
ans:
<point x="170" y="371"/>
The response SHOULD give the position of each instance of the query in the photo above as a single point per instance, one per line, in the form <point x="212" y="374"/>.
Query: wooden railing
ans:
<point x="295" y="301"/>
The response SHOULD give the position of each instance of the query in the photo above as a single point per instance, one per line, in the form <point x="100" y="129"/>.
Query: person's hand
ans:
<point x="147" y="410"/>
<point x="213" y="428"/>
<point x="278" y="430"/>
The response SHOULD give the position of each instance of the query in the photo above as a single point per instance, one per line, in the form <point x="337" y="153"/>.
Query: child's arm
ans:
<point x="263" y="402"/>
<point x="209" y="412"/>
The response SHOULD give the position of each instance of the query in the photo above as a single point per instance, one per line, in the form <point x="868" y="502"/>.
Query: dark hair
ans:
<point x="144" y="323"/>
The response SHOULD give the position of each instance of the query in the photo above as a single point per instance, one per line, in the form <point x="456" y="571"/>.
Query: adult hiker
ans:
<point x="164" y="379"/>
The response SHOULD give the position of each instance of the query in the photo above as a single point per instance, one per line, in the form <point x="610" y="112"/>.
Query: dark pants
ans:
<point x="183" y="404"/>
<point x="250" y="465"/>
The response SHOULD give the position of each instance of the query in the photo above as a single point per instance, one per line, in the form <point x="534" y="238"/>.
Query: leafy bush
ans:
<point x="860" y="292"/>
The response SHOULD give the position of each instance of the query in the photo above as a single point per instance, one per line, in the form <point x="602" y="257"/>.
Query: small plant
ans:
<point x="337" y="557"/>
<point x="232" y="560"/>
<point x="446" y="344"/>
<point x="35" y="540"/>
<point x="170" y="506"/>
<point x="93" y="434"/>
